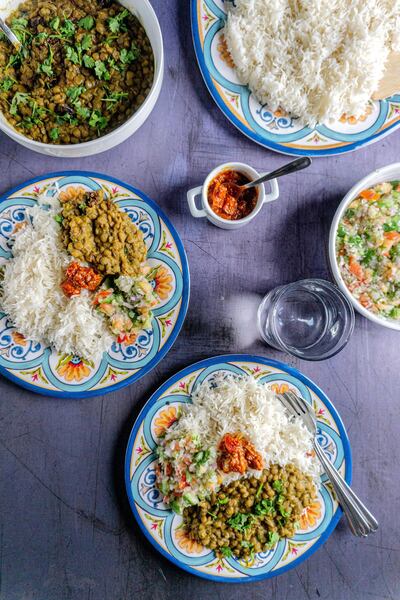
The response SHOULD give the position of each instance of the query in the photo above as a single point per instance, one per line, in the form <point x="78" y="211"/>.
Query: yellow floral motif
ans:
<point x="184" y="542"/>
<point x="310" y="515"/>
<point x="351" y="120"/>
<point x="280" y="388"/>
<point x="165" y="419"/>
<point x="18" y="338"/>
<point x="162" y="282"/>
<point x="73" y="368"/>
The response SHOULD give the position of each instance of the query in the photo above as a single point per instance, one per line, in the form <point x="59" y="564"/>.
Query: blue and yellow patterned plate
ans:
<point x="276" y="130"/>
<point x="48" y="372"/>
<point x="163" y="528"/>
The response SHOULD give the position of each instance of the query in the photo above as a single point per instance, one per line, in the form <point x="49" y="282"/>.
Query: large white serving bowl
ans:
<point x="388" y="173"/>
<point x="143" y="10"/>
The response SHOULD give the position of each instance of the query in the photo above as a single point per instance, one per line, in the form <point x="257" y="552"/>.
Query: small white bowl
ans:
<point x="206" y="210"/>
<point x="143" y="10"/>
<point x="388" y="173"/>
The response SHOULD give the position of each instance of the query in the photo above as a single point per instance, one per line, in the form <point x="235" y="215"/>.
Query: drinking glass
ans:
<point x="311" y="319"/>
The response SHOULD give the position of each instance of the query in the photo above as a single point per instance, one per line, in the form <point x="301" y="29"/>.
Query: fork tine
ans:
<point x="298" y="401"/>
<point x="287" y="404"/>
<point x="294" y="405"/>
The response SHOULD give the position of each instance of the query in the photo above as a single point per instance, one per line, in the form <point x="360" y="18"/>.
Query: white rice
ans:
<point x="231" y="405"/>
<point x="315" y="59"/>
<point x="32" y="296"/>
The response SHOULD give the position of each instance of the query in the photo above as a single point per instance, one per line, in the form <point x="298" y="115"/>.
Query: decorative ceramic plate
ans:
<point x="276" y="130"/>
<point x="164" y="528"/>
<point x="48" y="372"/>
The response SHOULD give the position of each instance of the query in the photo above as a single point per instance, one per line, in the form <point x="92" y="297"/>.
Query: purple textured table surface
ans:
<point x="66" y="531"/>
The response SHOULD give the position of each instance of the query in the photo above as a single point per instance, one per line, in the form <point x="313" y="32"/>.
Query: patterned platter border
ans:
<point x="276" y="130"/>
<point x="48" y="372"/>
<point x="164" y="529"/>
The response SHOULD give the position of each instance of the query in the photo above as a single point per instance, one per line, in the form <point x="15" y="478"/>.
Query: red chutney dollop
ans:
<point x="237" y="454"/>
<point x="226" y="200"/>
<point x="78" y="278"/>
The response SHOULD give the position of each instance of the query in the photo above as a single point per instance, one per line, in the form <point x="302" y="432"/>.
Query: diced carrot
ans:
<point x="392" y="235"/>
<point x="364" y="300"/>
<point x="369" y="194"/>
<point x="355" y="268"/>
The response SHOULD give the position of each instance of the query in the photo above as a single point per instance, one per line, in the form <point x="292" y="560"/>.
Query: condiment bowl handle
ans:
<point x="191" y="198"/>
<point x="274" y="193"/>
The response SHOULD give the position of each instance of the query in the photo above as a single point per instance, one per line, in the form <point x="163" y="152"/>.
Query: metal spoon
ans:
<point x="292" y="167"/>
<point x="9" y="34"/>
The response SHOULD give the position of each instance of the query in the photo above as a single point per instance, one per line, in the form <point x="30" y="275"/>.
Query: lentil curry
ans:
<point x="96" y="231"/>
<point x="83" y="68"/>
<point x="250" y="515"/>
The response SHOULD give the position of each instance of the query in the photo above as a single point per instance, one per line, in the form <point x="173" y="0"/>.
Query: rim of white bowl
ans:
<point x="388" y="172"/>
<point x="159" y="71"/>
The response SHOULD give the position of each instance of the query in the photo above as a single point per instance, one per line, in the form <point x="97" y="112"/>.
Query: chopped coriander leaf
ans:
<point x="114" y="65"/>
<point x="86" y="41"/>
<point x="273" y="537"/>
<point x="97" y="120"/>
<point x="46" y="66"/>
<point x="18" y="98"/>
<point x="115" y="24"/>
<point x="68" y="28"/>
<point x="58" y="218"/>
<point x="86" y="23"/>
<point x="7" y="83"/>
<point x="72" y="55"/>
<point x="88" y="61"/>
<point x="101" y="70"/>
<point x="54" y="135"/>
<point x="73" y="93"/>
<point x="82" y="111"/>
<point x="241" y="521"/>
<point x="40" y="37"/>
<point x="222" y="501"/>
<point x="226" y="551"/>
<point x="115" y="97"/>
<point x="55" y="23"/>
<point x="260" y="488"/>
<point x="368" y="256"/>
<point x="265" y="507"/>
<point x="128" y="56"/>
<point x="200" y="458"/>
<point x="277" y="485"/>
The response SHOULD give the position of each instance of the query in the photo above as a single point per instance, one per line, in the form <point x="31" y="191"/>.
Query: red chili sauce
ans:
<point x="78" y="278"/>
<point x="226" y="200"/>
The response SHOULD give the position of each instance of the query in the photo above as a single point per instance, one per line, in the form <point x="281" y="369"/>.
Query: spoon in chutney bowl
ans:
<point x="292" y="167"/>
<point x="9" y="34"/>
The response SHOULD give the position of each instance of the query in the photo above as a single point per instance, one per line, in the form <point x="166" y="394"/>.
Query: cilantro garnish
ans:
<point x="18" y="98"/>
<point x="86" y="23"/>
<point x="278" y="485"/>
<point x="226" y="551"/>
<point x="128" y="56"/>
<point x="54" y="135"/>
<point x="98" y="120"/>
<point x="88" y="61"/>
<point x="86" y="41"/>
<point x="7" y="83"/>
<point x="68" y="28"/>
<point x="72" y="55"/>
<point x="73" y="93"/>
<point x="46" y="66"/>
<point x="115" y="24"/>
<point x="115" y="97"/>
<point x="241" y="521"/>
<point x="101" y="70"/>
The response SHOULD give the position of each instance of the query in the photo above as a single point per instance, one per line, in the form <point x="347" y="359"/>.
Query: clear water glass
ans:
<point x="310" y="319"/>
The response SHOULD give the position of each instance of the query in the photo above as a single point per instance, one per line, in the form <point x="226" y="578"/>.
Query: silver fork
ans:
<point x="360" y="520"/>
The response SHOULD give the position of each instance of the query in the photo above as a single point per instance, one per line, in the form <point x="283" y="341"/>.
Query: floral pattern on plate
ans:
<point x="276" y="129"/>
<point x="48" y="372"/>
<point x="164" y="529"/>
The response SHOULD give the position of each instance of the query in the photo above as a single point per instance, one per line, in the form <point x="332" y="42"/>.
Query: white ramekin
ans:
<point x="206" y="210"/>
<point x="388" y="173"/>
<point x="143" y="10"/>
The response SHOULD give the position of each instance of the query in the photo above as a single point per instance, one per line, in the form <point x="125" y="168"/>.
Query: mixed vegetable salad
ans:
<point x="368" y="249"/>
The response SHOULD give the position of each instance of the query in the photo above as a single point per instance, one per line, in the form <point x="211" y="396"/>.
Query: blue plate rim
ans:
<point x="239" y="358"/>
<point x="270" y="145"/>
<point x="184" y="301"/>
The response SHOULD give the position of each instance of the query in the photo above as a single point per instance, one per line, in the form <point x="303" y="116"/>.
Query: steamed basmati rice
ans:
<point x="241" y="404"/>
<point x="32" y="296"/>
<point x="315" y="59"/>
